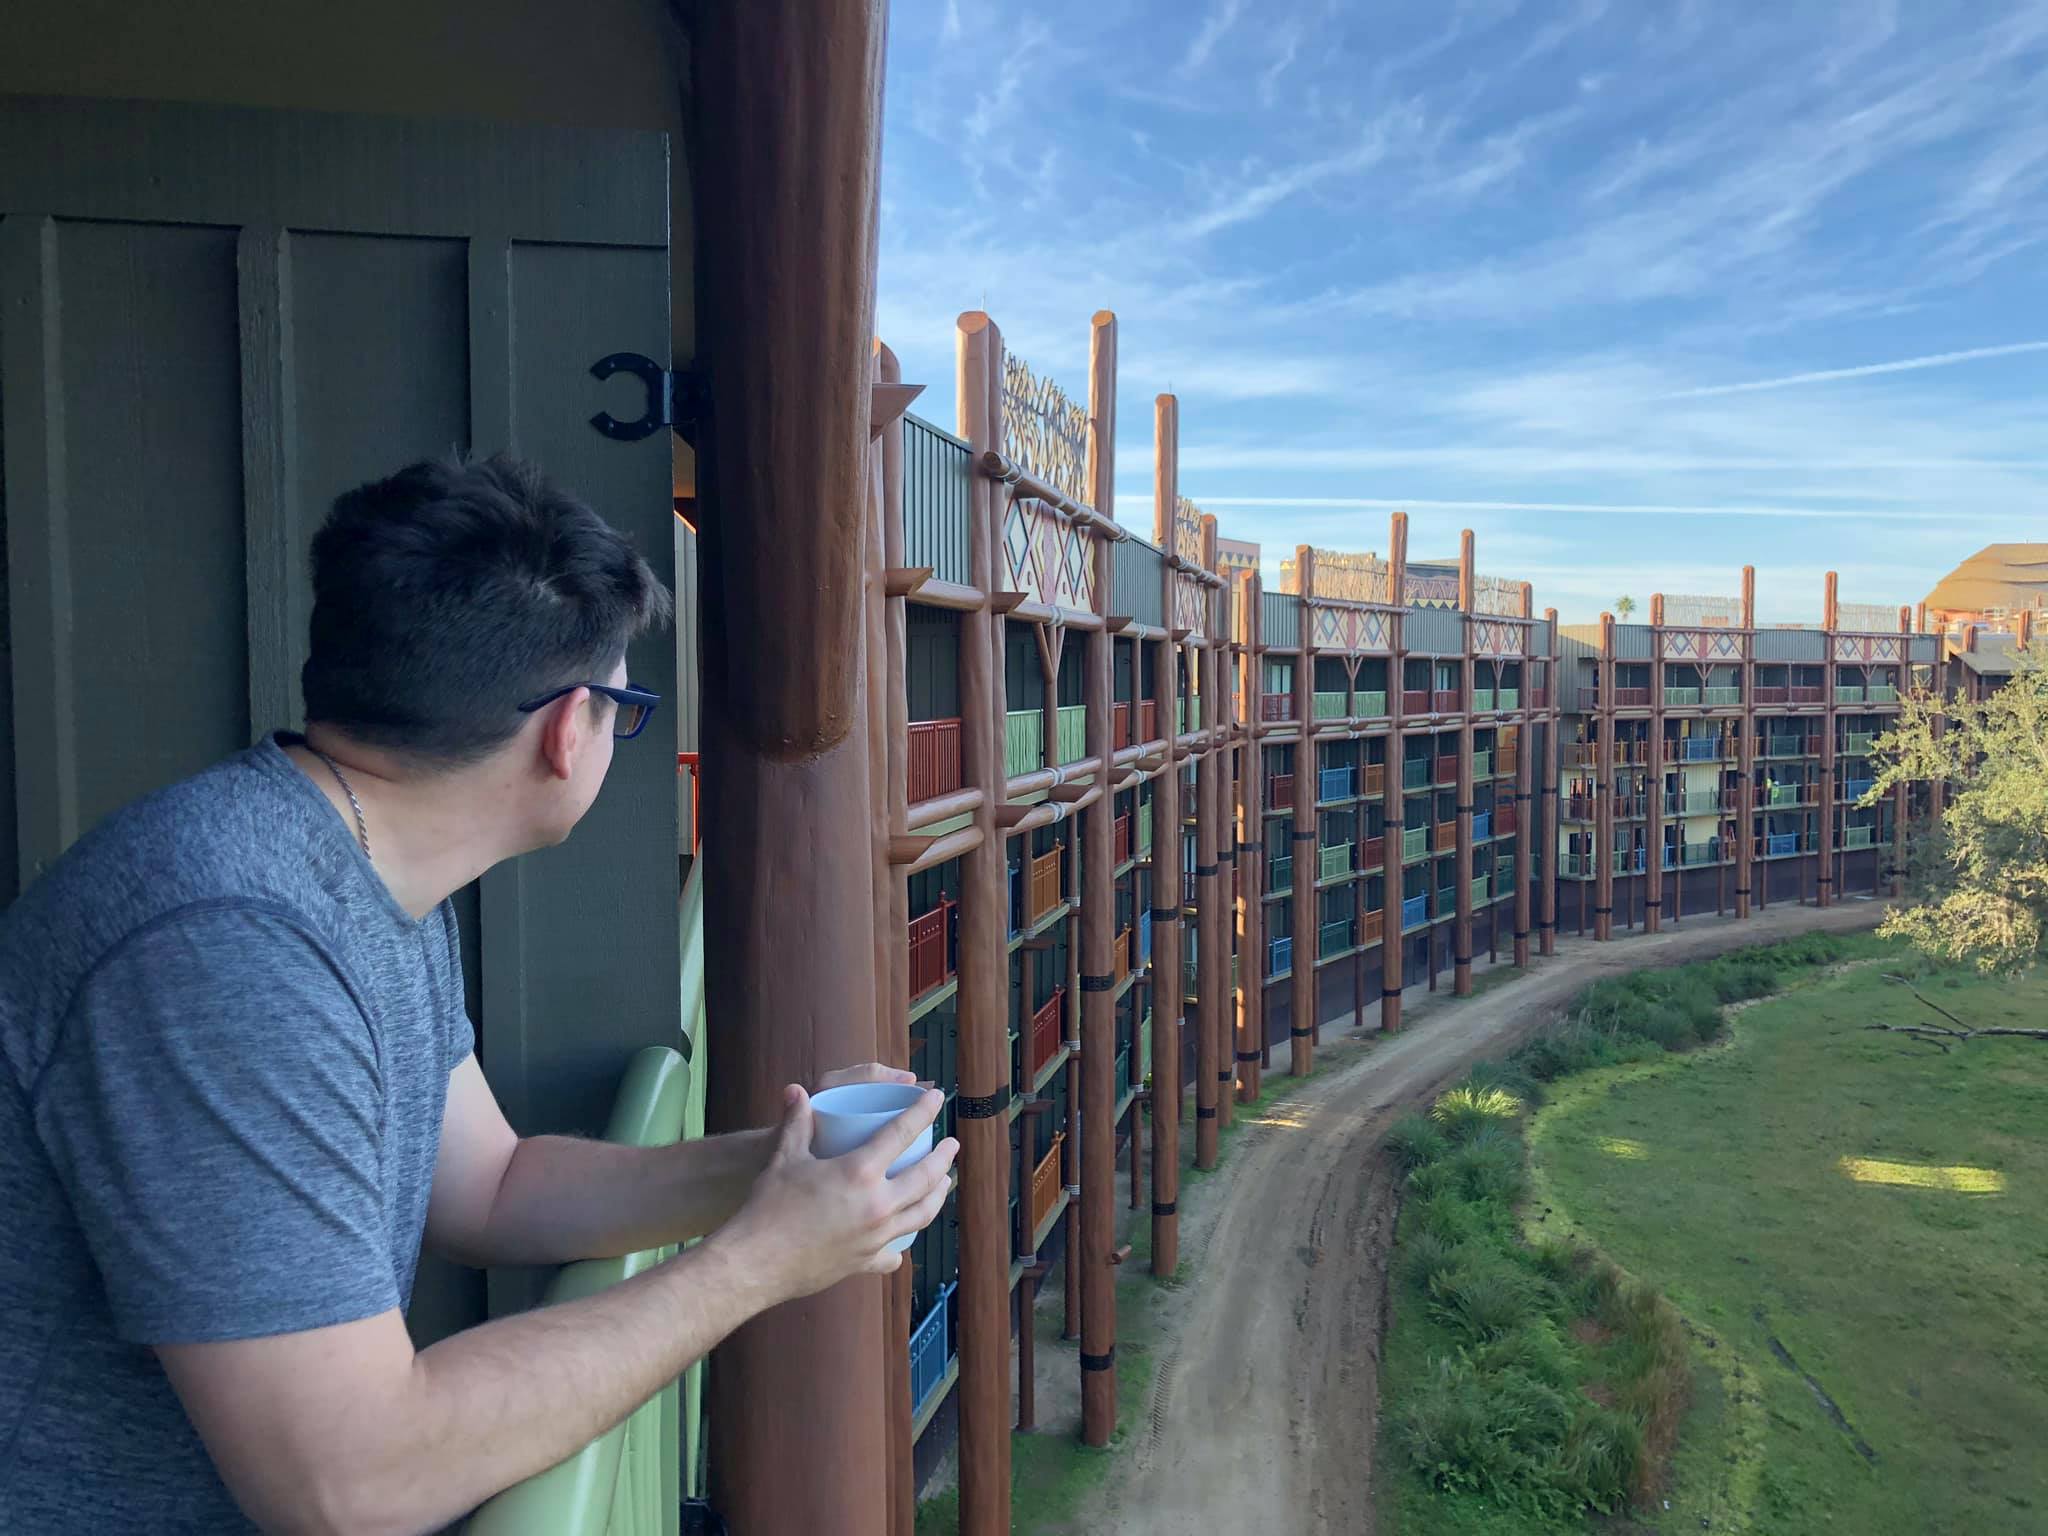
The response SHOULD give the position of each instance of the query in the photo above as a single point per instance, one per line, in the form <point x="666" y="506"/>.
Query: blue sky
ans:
<point x="1637" y="291"/>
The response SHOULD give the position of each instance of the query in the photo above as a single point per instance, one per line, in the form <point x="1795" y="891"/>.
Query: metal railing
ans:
<point x="1482" y="825"/>
<point x="1447" y="768"/>
<point x="1334" y="861"/>
<point x="1336" y="938"/>
<point x="1336" y="784"/>
<point x="1783" y="794"/>
<point x="1121" y="951"/>
<point x="1503" y="877"/>
<point x="1330" y="705"/>
<point x="1415" y="773"/>
<point x="1577" y="866"/>
<point x="1482" y="700"/>
<point x="1881" y="693"/>
<point x="1414" y="842"/>
<point x="1375" y="779"/>
<point x="1507" y="698"/>
<point x="1373" y="853"/>
<point x="1855" y="789"/>
<point x="1280" y="789"/>
<point x="931" y="1351"/>
<point x="1720" y="698"/>
<point x="1145" y="937"/>
<point x="1280" y="874"/>
<point x="1279" y="956"/>
<point x="1446" y="836"/>
<point x="1144" y="844"/>
<point x="1482" y="762"/>
<point x="1779" y="844"/>
<point x="1480" y="888"/>
<point x="1046" y="1033"/>
<point x="1681" y="698"/>
<point x="1693" y="802"/>
<point x="1414" y="911"/>
<point x="1631" y="861"/>
<point x="1045" y="884"/>
<point x="1858" y="743"/>
<point x="1373" y="929"/>
<point x="1506" y="821"/>
<point x="1276" y="706"/>
<point x="1695" y="749"/>
<point x="1858" y="837"/>
<point x="1023" y="741"/>
<point x="1848" y="693"/>
<point x="931" y="948"/>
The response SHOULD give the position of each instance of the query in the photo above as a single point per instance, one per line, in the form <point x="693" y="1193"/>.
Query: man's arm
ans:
<point x="498" y="1199"/>
<point x="347" y="1429"/>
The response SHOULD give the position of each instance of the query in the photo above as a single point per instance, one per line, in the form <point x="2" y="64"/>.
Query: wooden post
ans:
<point x="1824" y="878"/>
<point x="1167" y="875"/>
<point x="1745" y="792"/>
<point x="1393" y="947"/>
<point x="1653" y="865"/>
<point x="888" y="745"/>
<point x="1251" y="844"/>
<point x="983" y="1003"/>
<point x="1219" y="926"/>
<point x="1098" y="935"/>
<point x="1547" y="929"/>
<point x="1461" y="812"/>
<point x="1305" y="1010"/>
<point x="1525" y="775"/>
<point x="1211" y="966"/>
<point x="785" y="306"/>
<point x="1603" y="789"/>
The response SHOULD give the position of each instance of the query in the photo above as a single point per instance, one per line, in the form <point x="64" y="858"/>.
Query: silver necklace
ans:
<point x="362" y="829"/>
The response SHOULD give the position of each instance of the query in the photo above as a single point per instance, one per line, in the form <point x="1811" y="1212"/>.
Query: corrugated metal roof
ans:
<point x="1280" y="619"/>
<point x="1802" y="645"/>
<point x="1632" y="642"/>
<point x="1925" y="648"/>
<point x="1434" y="631"/>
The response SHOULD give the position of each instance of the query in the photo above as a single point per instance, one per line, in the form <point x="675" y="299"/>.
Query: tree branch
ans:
<point x="1929" y="1002"/>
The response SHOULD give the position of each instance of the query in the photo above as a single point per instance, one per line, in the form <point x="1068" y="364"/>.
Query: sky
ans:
<point x="1638" y="291"/>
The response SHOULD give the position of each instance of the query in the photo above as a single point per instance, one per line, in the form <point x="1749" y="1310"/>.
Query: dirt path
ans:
<point x="1263" y="1417"/>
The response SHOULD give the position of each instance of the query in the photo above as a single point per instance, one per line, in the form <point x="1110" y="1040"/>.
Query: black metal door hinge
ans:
<point x="700" y="1519"/>
<point x="676" y="398"/>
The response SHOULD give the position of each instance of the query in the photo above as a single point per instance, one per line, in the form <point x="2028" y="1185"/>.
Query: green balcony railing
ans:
<point x="1415" y="773"/>
<point x="1848" y="693"/>
<point x="1507" y="698"/>
<point x="1482" y="700"/>
<point x="1482" y="763"/>
<point x="1681" y="698"/>
<point x="1335" y="861"/>
<point x="1144" y="844"/>
<point x="1858" y="837"/>
<point x="1577" y="866"/>
<point x="1023" y="741"/>
<point x="1881" y="693"/>
<point x="1280" y="874"/>
<point x="1070" y="727"/>
<point x="1701" y="853"/>
<point x="1721" y="697"/>
<point x="1331" y="705"/>
<point x="1859" y="743"/>
<point x="1337" y="938"/>
<point x="1414" y="842"/>
<point x="1782" y="794"/>
<point x="629" y="1480"/>
<point x="1503" y="878"/>
<point x="1373" y="703"/>
<point x="1480" y="887"/>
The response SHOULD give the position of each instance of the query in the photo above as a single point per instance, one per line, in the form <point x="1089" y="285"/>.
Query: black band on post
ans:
<point x="1224" y="1077"/>
<point x="1521" y="933"/>
<point x="1390" y="992"/>
<point x="1249" y="847"/>
<point x="1652" y="905"/>
<point x="1462" y="810"/>
<point x="1300" y="1034"/>
<point x="1098" y="983"/>
<point x="1165" y="1207"/>
<point x="1603" y="911"/>
<point x="1544" y="924"/>
<point x="986" y="1107"/>
<point x="1304" y="837"/>
<point x="1742" y="890"/>
<point x="1204" y="871"/>
<point x="1168" y="913"/>
<point x="1205" y="1114"/>
<point x="1099" y="1362"/>
<point x="1249" y="1056"/>
<point x="1461" y="959"/>
<point x="1226" y="856"/>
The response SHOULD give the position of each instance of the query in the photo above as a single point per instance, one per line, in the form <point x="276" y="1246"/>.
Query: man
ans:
<point x="239" y="1088"/>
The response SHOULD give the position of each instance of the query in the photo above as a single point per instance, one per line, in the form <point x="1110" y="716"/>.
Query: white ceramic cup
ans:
<point x="845" y="1118"/>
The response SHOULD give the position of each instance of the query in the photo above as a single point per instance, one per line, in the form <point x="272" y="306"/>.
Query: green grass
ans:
<point x="1728" y="1179"/>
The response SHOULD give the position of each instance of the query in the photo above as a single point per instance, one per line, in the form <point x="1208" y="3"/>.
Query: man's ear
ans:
<point x="562" y="730"/>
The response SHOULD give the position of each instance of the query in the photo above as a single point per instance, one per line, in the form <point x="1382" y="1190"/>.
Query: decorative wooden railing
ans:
<point x="931" y="948"/>
<point x="1280" y="791"/>
<point x="1631" y="698"/>
<point x="1414" y="701"/>
<point x="1447" y="769"/>
<point x="1446" y="836"/>
<point x="1506" y="820"/>
<point x="1045" y="1184"/>
<point x="1122" y="953"/>
<point x="1372" y="928"/>
<point x="1276" y="706"/>
<point x="1120" y="724"/>
<point x="1046" y="1032"/>
<point x="1444" y="701"/>
<point x="1121" y="839"/>
<point x="1045" y="884"/>
<point x="934" y="765"/>
<point x="1771" y="693"/>
<point x="1374" y="853"/>
<point x="1375" y="779"/>
<point x="1806" y="693"/>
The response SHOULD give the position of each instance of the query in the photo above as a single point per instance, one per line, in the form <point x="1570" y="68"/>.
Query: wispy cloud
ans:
<point x="1212" y="500"/>
<point x="1218" y="22"/>
<point x="1864" y="371"/>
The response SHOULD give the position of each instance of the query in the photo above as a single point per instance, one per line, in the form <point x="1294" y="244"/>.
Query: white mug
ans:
<point x="845" y="1118"/>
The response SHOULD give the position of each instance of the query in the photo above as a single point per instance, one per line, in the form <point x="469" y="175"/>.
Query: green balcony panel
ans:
<point x="1881" y="693"/>
<point x="1414" y="842"/>
<point x="1848" y="693"/>
<point x="1415" y="773"/>
<point x="1336" y="861"/>
<point x="1023" y="741"/>
<point x="1720" y="697"/>
<point x="1507" y="698"/>
<point x="1681" y="698"/>
<point x="1482" y="763"/>
<point x="1330" y="706"/>
<point x="1482" y="699"/>
<point x="1071" y="727"/>
<point x="1370" y="704"/>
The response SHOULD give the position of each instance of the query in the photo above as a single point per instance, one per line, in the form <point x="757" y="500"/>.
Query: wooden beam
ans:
<point x="901" y="581"/>
<point x="887" y="402"/>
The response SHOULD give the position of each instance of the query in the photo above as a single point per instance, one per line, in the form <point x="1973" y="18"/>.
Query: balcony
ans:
<point x="1336" y="784"/>
<point x="1848" y="693"/>
<point x="1791" y="746"/>
<point x="1694" y="802"/>
<point x="1681" y="698"/>
<point x="1482" y="701"/>
<point x="1858" y="743"/>
<point x="1120" y="839"/>
<point x="931" y="948"/>
<point x="1119" y="725"/>
<point x="1374" y="854"/>
<point x="1482" y="826"/>
<point x="1045" y="1186"/>
<point x="1414" y="843"/>
<point x="934" y="759"/>
<point x="1582" y="754"/>
<point x="1504" y="763"/>
<point x="1414" y="701"/>
<point x="1446" y="836"/>
<point x="1695" y="749"/>
<point x="1482" y="763"/>
<point x="1375" y="779"/>
<point x="1276" y="706"/>
<point x="1771" y="693"/>
<point x="1070" y="728"/>
<point x="1279" y="956"/>
<point x="1631" y="698"/>
<point x="1855" y="789"/>
<point x="1280" y="874"/>
<point x="1580" y="808"/>
<point x="1858" y="837"/>
<point x="1539" y="698"/>
<point x="1632" y="750"/>
<point x="1447" y="769"/>
<point x="1280" y="789"/>
<point x="1721" y="698"/>
<point x="1334" y="863"/>
<point x="1414" y="912"/>
<point x="1805" y="693"/>
<point x="1046" y="1034"/>
<point x="1415" y="773"/>
<point x="1336" y="939"/>
<point x="1696" y="854"/>
<point x="1125" y="1079"/>
<point x="1578" y="866"/>
<point x="1505" y="699"/>
<point x="930" y="1352"/>
<point x="1023" y="741"/>
<point x="1120" y="953"/>
<point x="1372" y="929"/>
<point x="1444" y="701"/>
<point x="1331" y="705"/>
<point x="1446" y="905"/>
<point x="1779" y="844"/>
<point x="1631" y="861"/>
<point x="1506" y="821"/>
<point x="1481" y="887"/>
<point x="1144" y="847"/>
<point x="1148" y="720"/>
<point x="1145" y="937"/>
<point x="1503" y="878"/>
<point x="1373" y="704"/>
<point x="1784" y="794"/>
<point x="1881" y="693"/>
<point x="1044" y="894"/>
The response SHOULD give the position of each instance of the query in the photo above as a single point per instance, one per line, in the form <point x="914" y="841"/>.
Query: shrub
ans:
<point x="1536" y="1350"/>
<point x="1431" y="1179"/>
<point x="1602" y="1457"/>
<point x="1667" y="1026"/>
<point x="1508" y="1076"/>
<point x="1484" y="1295"/>
<point x="1466" y="1109"/>
<point x="1489" y="1167"/>
<point x="1738" y="980"/>
<point x="1414" y="1140"/>
<point x="1498" y="1435"/>
<point x="1560" y="1262"/>
<point x="1424" y="1256"/>
<point x="1450" y="1218"/>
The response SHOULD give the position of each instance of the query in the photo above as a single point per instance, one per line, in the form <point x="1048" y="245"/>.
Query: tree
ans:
<point x="1624" y="605"/>
<point x="1977" y="880"/>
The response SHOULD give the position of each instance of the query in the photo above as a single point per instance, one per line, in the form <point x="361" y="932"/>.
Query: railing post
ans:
<point x="1461" y="810"/>
<point x="1167" y="988"/>
<point x="1251" y="848"/>
<point x="1208" y="905"/>
<point x="1307" y="946"/>
<point x="1393" y="946"/>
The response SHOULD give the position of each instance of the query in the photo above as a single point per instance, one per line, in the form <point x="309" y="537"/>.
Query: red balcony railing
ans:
<point x="1045" y="884"/>
<point x="1375" y="778"/>
<point x="1806" y="695"/>
<point x="1447" y="769"/>
<point x="1446" y="836"/>
<point x="1539" y="698"/>
<point x="1505" y="820"/>
<point x="1276" y="706"/>
<point x="1045" y="1032"/>
<point x="1415" y="701"/>
<point x="1374" y="853"/>
<point x="931" y="948"/>
<point x="1445" y="701"/>
<point x="1045" y="1184"/>
<point x="1120" y="725"/>
<point x="1771" y="693"/>
<point x="1122" y="838"/>
<point x="1631" y="698"/>
<point x="1148" y="720"/>
<point x="1579" y="808"/>
<point x="934" y="767"/>
<point x="1280" y="789"/>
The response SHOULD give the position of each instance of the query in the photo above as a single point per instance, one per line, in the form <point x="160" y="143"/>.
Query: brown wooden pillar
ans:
<point x="1745" y="804"/>
<point x="1212" y="967"/>
<point x="1251" y="844"/>
<point x="1901" y="802"/>
<point x="1394" y="943"/>
<point x="1554" y="678"/>
<point x="1307" y="945"/>
<point x="1653" y="864"/>
<point x="1219" y="924"/>
<point x="1604" y="790"/>
<point x="983" y="1003"/>
<point x="1098" y="934"/>
<point x="1824" y="878"/>
<point x="1167" y="874"/>
<point x="1461" y="813"/>
<point x="785" y="307"/>
<point x="1525" y="777"/>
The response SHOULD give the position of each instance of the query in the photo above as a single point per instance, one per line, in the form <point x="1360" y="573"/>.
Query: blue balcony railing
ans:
<point x="1855" y="789"/>
<point x="1279" y="956"/>
<point x="1482" y="825"/>
<point x="1700" y="749"/>
<point x="1145" y="937"/>
<point x="930" y="1351"/>
<point x="1415" y="911"/>
<point x="1780" y="843"/>
<point x="1337" y="784"/>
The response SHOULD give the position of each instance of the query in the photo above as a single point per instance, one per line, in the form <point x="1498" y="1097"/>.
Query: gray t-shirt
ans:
<point x="224" y="1055"/>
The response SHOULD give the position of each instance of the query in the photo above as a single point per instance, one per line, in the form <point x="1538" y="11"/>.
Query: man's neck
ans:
<point x="429" y="835"/>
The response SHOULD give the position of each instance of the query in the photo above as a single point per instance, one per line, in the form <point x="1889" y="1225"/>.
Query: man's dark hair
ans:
<point x="450" y="594"/>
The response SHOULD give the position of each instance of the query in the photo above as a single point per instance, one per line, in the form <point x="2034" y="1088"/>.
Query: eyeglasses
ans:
<point x="636" y="705"/>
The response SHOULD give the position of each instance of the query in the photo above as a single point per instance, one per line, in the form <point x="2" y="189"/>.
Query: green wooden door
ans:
<point x="213" y="320"/>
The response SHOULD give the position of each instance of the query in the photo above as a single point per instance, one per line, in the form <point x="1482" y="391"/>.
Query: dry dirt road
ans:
<point x="1262" y="1420"/>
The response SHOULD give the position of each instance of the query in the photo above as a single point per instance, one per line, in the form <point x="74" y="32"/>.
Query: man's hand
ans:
<point x="811" y="1222"/>
<point x="866" y="1072"/>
